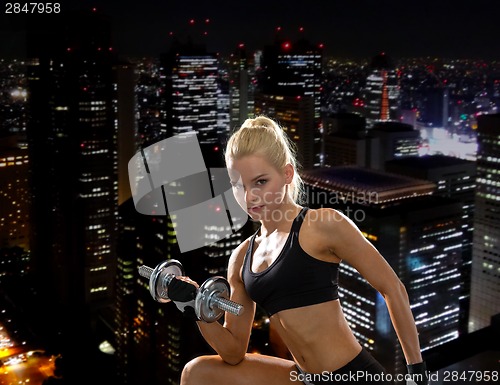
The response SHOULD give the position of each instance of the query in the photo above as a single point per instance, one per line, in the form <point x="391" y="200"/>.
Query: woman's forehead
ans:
<point x="248" y="166"/>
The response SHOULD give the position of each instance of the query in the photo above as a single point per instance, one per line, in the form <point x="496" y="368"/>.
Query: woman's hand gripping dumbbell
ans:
<point x="206" y="303"/>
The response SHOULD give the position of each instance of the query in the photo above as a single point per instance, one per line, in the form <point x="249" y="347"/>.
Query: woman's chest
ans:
<point x="267" y="251"/>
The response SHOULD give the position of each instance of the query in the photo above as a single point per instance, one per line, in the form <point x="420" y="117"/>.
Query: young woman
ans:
<point x="290" y="268"/>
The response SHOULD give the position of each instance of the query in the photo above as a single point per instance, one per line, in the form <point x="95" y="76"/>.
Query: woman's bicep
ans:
<point x="349" y="244"/>
<point x="239" y="326"/>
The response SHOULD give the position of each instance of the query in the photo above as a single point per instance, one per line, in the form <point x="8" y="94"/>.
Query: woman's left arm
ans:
<point x="347" y="243"/>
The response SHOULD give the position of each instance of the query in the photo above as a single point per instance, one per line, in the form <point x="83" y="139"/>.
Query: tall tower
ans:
<point x="384" y="104"/>
<point x="485" y="282"/>
<point x="239" y="82"/>
<point x="295" y="115"/>
<point x="382" y="94"/>
<point x="73" y="159"/>
<point x="126" y="107"/>
<point x="455" y="178"/>
<point x="294" y="69"/>
<point x="190" y="75"/>
<point x="14" y="195"/>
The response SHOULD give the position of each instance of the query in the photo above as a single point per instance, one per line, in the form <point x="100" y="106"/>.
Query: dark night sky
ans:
<point x="348" y="28"/>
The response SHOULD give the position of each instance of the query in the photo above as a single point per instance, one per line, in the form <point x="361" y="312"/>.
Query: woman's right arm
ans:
<point x="231" y="340"/>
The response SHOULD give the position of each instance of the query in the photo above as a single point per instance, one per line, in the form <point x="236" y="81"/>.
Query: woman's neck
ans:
<point x="280" y="219"/>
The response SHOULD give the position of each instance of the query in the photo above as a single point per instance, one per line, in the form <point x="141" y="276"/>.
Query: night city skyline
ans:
<point x="394" y="109"/>
<point x="356" y="30"/>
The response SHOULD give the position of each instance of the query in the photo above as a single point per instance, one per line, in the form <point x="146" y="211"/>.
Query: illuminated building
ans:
<point x="189" y="75"/>
<point x="391" y="140"/>
<point x="14" y="195"/>
<point x="382" y="95"/>
<point x="348" y="143"/>
<point x="149" y="102"/>
<point x="485" y="281"/>
<point x="455" y="178"/>
<point x="72" y="136"/>
<point x="154" y="341"/>
<point x="417" y="233"/>
<point x="293" y="69"/>
<point x="295" y="115"/>
<point x="15" y="260"/>
<point x="126" y="107"/>
<point x="240" y="87"/>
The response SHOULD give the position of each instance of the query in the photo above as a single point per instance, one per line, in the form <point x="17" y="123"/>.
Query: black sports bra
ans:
<point x="294" y="279"/>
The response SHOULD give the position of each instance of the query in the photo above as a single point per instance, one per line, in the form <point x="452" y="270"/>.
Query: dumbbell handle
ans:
<point x="145" y="271"/>
<point x="226" y="305"/>
<point x="222" y="303"/>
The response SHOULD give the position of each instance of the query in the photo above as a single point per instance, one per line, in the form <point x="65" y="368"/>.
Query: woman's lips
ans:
<point x="255" y="209"/>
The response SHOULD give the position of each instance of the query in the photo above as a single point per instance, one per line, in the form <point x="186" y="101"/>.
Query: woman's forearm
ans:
<point x="223" y="342"/>
<point x="402" y="319"/>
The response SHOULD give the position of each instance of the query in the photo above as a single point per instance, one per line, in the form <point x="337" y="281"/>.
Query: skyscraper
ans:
<point x="434" y="106"/>
<point x="126" y="108"/>
<point x="14" y="194"/>
<point x="382" y="95"/>
<point x="485" y="281"/>
<point x="239" y="86"/>
<point x="190" y="82"/>
<point x="153" y="339"/>
<point x="73" y="151"/>
<point x="295" y="115"/>
<point x="455" y="178"/>
<point x="348" y="143"/>
<point x="15" y="261"/>
<point x="293" y="69"/>
<point x="391" y="140"/>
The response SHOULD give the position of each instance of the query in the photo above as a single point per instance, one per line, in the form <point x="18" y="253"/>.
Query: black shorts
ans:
<point x="364" y="369"/>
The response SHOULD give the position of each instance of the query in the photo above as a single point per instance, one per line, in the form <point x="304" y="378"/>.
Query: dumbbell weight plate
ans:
<point x="212" y="286"/>
<point x="159" y="280"/>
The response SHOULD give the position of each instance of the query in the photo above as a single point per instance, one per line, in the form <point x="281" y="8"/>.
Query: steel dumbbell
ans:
<point x="212" y="297"/>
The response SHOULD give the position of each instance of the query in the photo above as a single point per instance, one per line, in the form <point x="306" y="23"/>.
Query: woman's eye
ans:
<point x="261" y="182"/>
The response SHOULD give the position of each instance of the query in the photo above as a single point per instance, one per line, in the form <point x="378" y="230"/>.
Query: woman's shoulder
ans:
<point x="238" y="255"/>
<point x="325" y="226"/>
<point x="323" y="217"/>
<point x="331" y="227"/>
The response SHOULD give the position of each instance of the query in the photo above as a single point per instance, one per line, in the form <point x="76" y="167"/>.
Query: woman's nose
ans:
<point x="250" y="196"/>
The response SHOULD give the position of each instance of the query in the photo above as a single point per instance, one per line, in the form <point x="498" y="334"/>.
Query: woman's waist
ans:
<point x="325" y="356"/>
<point x="310" y="321"/>
<point x="318" y="336"/>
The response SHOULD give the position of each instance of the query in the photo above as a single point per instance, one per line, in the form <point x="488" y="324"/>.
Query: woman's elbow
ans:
<point x="394" y="288"/>
<point x="233" y="355"/>
<point x="232" y="359"/>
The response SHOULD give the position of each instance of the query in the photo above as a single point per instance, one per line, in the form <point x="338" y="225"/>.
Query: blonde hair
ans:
<point x="263" y="136"/>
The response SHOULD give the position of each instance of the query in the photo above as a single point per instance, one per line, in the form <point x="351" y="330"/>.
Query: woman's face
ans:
<point x="258" y="186"/>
